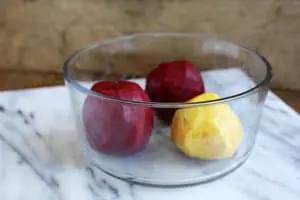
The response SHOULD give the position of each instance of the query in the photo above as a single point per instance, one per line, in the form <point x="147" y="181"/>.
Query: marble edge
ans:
<point x="52" y="88"/>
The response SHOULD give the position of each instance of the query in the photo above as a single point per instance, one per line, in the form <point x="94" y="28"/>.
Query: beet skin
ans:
<point x="176" y="81"/>
<point x="115" y="128"/>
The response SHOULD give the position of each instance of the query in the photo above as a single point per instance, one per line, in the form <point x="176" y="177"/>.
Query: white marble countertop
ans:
<point x="40" y="158"/>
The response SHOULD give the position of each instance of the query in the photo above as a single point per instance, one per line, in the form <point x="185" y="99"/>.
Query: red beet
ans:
<point x="176" y="81"/>
<point x="115" y="128"/>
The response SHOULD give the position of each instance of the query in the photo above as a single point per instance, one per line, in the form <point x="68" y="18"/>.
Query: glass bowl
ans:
<point x="237" y="74"/>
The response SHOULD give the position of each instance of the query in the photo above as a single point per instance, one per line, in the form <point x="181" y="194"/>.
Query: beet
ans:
<point x="116" y="128"/>
<point x="176" y="81"/>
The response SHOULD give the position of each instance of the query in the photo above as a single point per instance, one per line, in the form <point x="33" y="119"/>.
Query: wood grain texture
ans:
<point x="39" y="35"/>
<point x="290" y="97"/>
<point x="11" y="80"/>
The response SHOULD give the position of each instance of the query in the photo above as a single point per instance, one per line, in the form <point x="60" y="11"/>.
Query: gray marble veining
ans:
<point x="41" y="158"/>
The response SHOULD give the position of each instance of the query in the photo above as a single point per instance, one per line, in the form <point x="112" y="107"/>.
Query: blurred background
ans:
<point x="36" y="36"/>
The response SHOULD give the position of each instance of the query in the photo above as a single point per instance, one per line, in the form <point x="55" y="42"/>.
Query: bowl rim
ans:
<point x="68" y="77"/>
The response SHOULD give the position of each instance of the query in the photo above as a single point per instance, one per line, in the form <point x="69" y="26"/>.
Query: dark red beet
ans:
<point x="176" y="81"/>
<point x="115" y="128"/>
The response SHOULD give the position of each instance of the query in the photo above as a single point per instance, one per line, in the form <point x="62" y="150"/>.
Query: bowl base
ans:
<point x="162" y="164"/>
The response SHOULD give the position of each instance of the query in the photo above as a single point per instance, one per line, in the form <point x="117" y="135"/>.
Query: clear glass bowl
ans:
<point x="237" y="74"/>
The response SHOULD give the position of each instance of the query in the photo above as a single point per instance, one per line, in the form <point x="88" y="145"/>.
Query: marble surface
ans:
<point x="41" y="158"/>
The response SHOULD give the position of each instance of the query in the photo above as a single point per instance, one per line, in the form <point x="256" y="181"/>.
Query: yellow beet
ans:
<point x="207" y="132"/>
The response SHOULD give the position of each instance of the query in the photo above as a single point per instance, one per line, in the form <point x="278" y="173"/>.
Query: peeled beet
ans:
<point x="176" y="81"/>
<point x="115" y="128"/>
